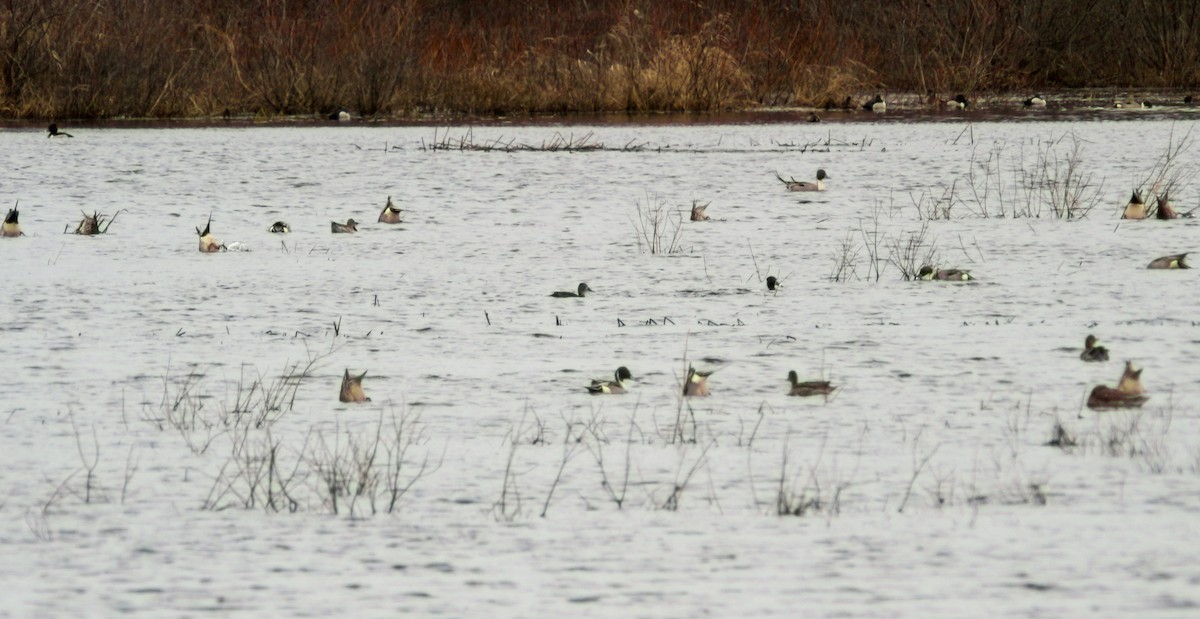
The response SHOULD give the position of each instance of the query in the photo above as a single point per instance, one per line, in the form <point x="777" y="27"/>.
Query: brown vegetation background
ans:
<point x="154" y="58"/>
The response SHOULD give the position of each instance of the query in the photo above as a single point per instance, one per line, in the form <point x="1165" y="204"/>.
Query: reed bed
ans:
<point x="137" y="58"/>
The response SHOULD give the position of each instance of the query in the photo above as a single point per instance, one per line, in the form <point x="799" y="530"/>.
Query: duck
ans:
<point x="1136" y="209"/>
<point x="1131" y="380"/>
<point x="1187" y="100"/>
<point x="583" y="287"/>
<point x="611" y="386"/>
<point x="54" y="132"/>
<point x="696" y="384"/>
<point x="352" y="390"/>
<point x="280" y="227"/>
<point x="1107" y="397"/>
<point x="1092" y="352"/>
<point x="390" y="214"/>
<point x="957" y="275"/>
<point x="340" y="115"/>
<point x="1174" y="261"/>
<point x="1164" y="209"/>
<point x="813" y="118"/>
<point x="563" y="294"/>
<point x="346" y="228"/>
<point x="11" y="227"/>
<point x="773" y="283"/>
<point x="807" y="388"/>
<point x="795" y="185"/>
<point x="875" y="105"/>
<point x="208" y="243"/>
<point x="959" y="102"/>
<point x="1035" y="101"/>
<point x="698" y="211"/>
<point x="90" y="224"/>
<point x="1129" y="392"/>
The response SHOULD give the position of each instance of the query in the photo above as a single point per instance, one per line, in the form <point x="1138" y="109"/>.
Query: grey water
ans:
<point x="926" y="483"/>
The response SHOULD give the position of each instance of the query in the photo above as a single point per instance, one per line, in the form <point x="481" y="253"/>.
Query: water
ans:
<point x="922" y="480"/>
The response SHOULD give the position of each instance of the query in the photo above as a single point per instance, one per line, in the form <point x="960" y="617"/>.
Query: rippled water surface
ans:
<point x="129" y="363"/>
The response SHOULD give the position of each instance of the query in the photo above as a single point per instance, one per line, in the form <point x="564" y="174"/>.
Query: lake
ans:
<point x="174" y="444"/>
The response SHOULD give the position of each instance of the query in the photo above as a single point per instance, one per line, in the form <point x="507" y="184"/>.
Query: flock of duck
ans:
<point x="960" y="102"/>
<point x="1128" y="392"/>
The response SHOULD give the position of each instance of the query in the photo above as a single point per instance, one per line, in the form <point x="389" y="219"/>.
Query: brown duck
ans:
<point x="696" y="384"/>
<point x="1092" y="352"/>
<point x="352" y="390"/>
<point x="807" y="388"/>
<point x="1128" y="394"/>
<point x="349" y="227"/>
<point x="209" y="243"/>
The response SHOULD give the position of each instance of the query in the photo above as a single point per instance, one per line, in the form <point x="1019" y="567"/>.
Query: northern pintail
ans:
<point x="611" y="386"/>
<point x="583" y="287"/>
<point x="11" y="226"/>
<point x="795" y="185"/>
<point x="1092" y="352"/>
<point x="346" y="228"/>
<point x="1174" y="261"/>
<point x="807" y="388"/>
<point x="352" y="390"/>
<point x="390" y="213"/>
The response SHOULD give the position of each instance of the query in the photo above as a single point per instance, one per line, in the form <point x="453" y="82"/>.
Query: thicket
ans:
<point x="147" y="58"/>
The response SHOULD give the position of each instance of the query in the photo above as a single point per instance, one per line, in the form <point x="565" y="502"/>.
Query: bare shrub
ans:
<point x="911" y="250"/>
<point x="657" y="228"/>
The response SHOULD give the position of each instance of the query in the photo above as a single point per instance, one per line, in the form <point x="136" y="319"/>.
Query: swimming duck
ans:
<point x="280" y="227"/>
<point x="807" y="388"/>
<point x="611" y="386"/>
<point x="346" y="228"/>
<point x="1174" y="261"/>
<point x="1187" y="100"/>
<point x="209" y="243"/>
<point x="1136" y="209"/>
<point x="1128" y="394"/>
<point x="875" y="105"/>
<point x="959" y="102"/>
<point x="341" y="115"/>
<point x="1092" y="352"/>
<point x="54" y="132"/>
<point x="773" y="282"/>
<point x="1035" y="101"/>
<point x="583" y="287"/>
<point x="698" y="211"/>
<point x="1164" y="209"/>
<point x="795" y="185"/>
<point x="390" y="214"/>
<point x="957" y="275"/>
<point x="352" y="390"/>
<point x="813" y="118"/>
<point x="11" y="227"/>
<point x="697" y="383"/>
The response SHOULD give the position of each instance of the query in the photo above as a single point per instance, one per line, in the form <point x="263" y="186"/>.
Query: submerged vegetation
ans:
<point x="270" y="57"/>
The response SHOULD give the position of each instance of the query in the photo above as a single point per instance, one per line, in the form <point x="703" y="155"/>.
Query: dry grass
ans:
<point x="140" y="58"/>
